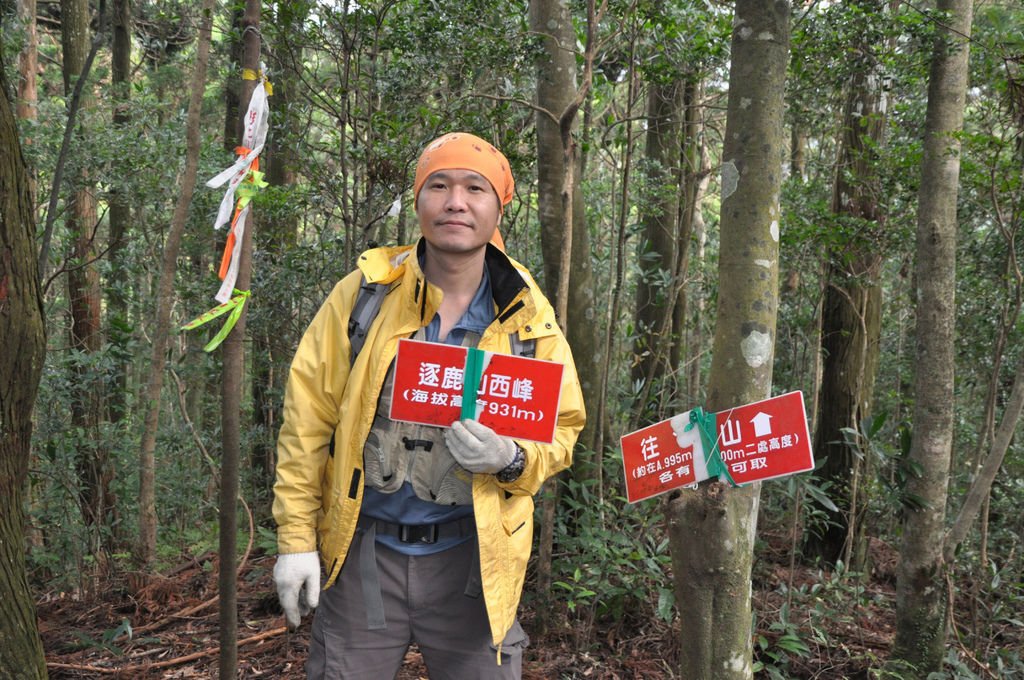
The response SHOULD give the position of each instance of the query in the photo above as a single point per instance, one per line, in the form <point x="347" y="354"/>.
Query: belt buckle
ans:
<point x="417" y="533"/>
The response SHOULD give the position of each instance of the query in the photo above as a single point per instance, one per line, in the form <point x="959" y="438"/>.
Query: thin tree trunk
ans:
<point x="119" y="214"/>
<point x="28" y="63"/>
<point x="696" y="177"/>
<point x="656" y="288"/>
<point x="88" y="398"/>
<point x="23" y="337"/>
<point x="711" y="529"/>
<point x="556" y="92"/>
<point x="619" y="253"/>
<point x="563" y="230"/>
<point x="231" y="397"/>
<point x="852" y="308"/>
<point x="920" y="588"/>
<point x="977" y="496"/>
<point x="146" y="549"/>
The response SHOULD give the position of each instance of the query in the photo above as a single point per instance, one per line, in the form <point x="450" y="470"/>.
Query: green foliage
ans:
<point x="612" y="561"/>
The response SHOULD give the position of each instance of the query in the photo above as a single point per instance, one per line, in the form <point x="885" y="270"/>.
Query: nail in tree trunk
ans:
<point x="920" y="588"/>
<point x="711" y="529"/>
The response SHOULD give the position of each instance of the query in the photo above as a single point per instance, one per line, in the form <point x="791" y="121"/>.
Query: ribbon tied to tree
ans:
<point x="706" y="425"/>
<point x="244" y="180"/>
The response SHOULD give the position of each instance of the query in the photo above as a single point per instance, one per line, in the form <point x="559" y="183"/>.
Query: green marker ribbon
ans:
<point x="249" y="187"/>
<point x="235" y="306"/>
<point x="471" y="381"/>
<point x="706" y="425"/>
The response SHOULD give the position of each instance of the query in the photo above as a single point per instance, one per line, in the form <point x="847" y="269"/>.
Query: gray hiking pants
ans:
<point x="425" y="601"/>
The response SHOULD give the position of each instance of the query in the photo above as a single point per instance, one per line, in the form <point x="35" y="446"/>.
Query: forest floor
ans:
<point x="832" y="632"/>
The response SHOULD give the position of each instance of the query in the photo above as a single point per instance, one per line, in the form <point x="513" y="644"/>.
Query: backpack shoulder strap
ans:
<point x="364" y="311"/>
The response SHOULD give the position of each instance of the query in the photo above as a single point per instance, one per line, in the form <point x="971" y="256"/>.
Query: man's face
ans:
<point x="458" y="211"/>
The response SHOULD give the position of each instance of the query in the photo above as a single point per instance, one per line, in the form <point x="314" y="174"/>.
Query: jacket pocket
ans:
<point x="380" y="463"/>
<point x="516" y="514"/>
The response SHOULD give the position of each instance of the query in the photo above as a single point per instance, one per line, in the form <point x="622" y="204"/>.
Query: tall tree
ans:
<point x="231" y="395"/>
<point x="688" y="310"/>
<point x="558" y="97"/>
<point x="657" y="285"/>
<point x="23" y="337"/>
<point x="28" y="62"/>
<point x="146" y="547"/>
<point x="711" y="529"/>
<point x="88" y="401"/>
<point x="119" y="214"/>
<point x="852" y="308"/>
<point x="920" y="587"/>
<point x="564" y="238"/>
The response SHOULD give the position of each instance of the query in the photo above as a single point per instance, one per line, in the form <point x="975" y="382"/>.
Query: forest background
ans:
<point x="614" y="117"/>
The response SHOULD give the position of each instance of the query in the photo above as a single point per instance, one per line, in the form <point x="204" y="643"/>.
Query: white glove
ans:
<point x="478" y="448"/>
<point x="293" y="574"/>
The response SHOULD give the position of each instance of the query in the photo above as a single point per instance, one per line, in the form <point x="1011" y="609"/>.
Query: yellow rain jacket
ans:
<point x="317" y="495"/>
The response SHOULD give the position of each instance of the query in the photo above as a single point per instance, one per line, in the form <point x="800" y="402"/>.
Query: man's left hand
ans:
<point x="478" y="448"/>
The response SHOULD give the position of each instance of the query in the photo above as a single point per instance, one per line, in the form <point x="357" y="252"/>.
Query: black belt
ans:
<point x="420" y="533"/>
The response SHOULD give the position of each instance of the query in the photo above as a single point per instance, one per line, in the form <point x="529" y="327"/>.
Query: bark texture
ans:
<point x="556" y="87"/>
<point x="712" y="529"/>
<point x="920" y="587"/>
<point x="22" y="335"/>
<point x="852" y="308"/>
<point x="120" y="214"/>
<point x="655" y="293"/>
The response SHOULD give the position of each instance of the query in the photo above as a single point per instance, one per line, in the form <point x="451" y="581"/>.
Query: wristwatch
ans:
<point x="511" y="472"/>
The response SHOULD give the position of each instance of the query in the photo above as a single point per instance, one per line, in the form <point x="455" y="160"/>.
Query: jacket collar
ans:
<point x="513" y="297"/>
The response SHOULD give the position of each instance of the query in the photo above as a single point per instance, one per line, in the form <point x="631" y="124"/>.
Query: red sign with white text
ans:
<point x="517" y="396"/>
<point x="766" y="439"/>
<point x="654" y="460"/>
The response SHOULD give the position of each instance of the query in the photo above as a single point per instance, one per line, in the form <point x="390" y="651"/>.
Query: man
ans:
<point x="423" y="532"/>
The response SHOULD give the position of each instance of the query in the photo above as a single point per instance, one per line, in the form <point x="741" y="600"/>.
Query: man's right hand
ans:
<point x="297" y="576"/>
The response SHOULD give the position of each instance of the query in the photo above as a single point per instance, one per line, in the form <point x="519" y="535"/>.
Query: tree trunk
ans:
<point x="556" y="88"/>
<point x="711" y="530"/>
<point x="28" y="62"/>
<point x="696" y="177"/>
<point x="146" y="549"/>
<point x="23" y="337"/>
<point x="656" y="287"/>
<point x="231" y="396"/>
<point x="852" y="308"/>
<point x="27" y="109"/>
<point x="556" y="93"/>
<point x="88" y="400"/>
<point x="118" y="329"/>
<point x="920" y="590"/>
